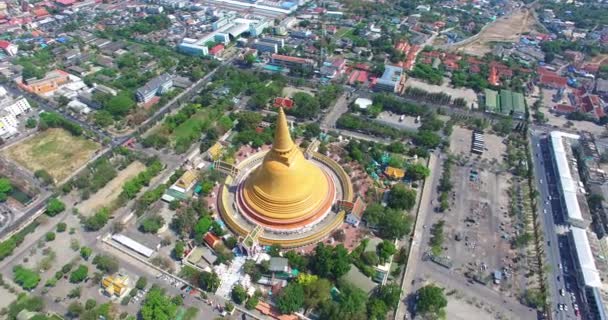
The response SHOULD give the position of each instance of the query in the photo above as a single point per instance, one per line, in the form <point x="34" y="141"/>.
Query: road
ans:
<point x="415" y="255"/>
<point x="552" y="217"/>
<point x="339" y="108"/>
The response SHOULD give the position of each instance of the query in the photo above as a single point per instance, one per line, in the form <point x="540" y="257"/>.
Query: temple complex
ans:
<point x="289" y="194"/>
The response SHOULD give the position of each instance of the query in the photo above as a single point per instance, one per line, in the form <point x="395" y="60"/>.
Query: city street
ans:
<point x="552" y="215"/>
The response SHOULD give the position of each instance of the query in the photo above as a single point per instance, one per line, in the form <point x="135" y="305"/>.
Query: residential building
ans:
<point x="355" y="211"/>
<point x="278" y="264"/>
<point x="280" y="42"/>
<point x="8" y="124"/>
<point x="392" y="80"/>
<point x="17" y="107"/>
<point x="9" y="48"/>
<point x="212" y="240"/>
<point x="156" y="86"/>
<point x="193" y="49"/>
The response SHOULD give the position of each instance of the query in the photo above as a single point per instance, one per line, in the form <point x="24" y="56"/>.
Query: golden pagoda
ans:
<point x="287" y="191"/>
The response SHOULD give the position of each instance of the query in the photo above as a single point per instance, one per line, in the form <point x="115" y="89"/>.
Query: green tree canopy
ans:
<point x="54" y="207"/>
<point x="431" y="300"/>
<point x="157" y="306"/>
<point x="401" y="197"/>
<point x="291" y="299"/>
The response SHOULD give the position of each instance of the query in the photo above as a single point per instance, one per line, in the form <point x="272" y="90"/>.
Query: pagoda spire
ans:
<point x="282" y="138"/>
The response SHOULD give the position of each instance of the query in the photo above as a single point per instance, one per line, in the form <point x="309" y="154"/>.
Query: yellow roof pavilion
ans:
<point x="394" y="173"/>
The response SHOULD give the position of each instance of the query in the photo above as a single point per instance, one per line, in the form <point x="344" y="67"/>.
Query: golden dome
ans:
<point x="286" y="191"/>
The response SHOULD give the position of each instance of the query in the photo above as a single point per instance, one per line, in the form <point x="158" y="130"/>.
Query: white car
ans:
<point x="565" y="308"/>
<point x="560" y="306"/>
<point x="561" y="292"/>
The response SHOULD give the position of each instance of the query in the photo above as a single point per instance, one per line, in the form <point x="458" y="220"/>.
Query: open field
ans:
<point x="468" y="94"/>
<point x="198" y="122"/>
<point x="504" y="29"/>
<point x="54" y="150"/>
<point x="110" y="191"/>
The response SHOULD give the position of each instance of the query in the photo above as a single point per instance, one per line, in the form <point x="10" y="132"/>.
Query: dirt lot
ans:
<point x="111" y="190"/>
<point x="55" y="150"/>
<point x="505" y="29"/>
<point x="467" y="94"/>
<point x="460" y="144"/>
<point x="460" y="309"/>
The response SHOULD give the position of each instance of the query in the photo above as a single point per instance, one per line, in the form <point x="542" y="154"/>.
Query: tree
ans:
<point x="373" y="213"/>
<point x="85" y="252"/>
<point x="5" y="189"/>
<point x="120" y="105"/>
<point x="431" y="300"/>
<point x="152" y="224"/>
<point x="274" y="250"/>
<point x="98" y="220"/>
<point x="106" y="263"/>
<point x="390" y="294"/>
<point x="401" y="197"/>
<point x="376" y="309"/>
<point x="315" y="292"/>
<point x="252" y="302"/>
<point x="330" y="262"/>
<point x="238" y="294"/>
<point x="386" y="249"/>
<point x="49" y="236"/>
<point x="141" y="283"/>
<point x="291" y="299"/>
<point x="26" y="278"/>
<point x="427" y="139"/>
<point x="54" y="207"/>
<point x="209" y="281"/>
<point x="178" y="251"/>
<point x="370" y="258"/>
<point x="44" y="177"/>
<point x="79" y="274"/>
<point x="503" y="127"/>
<point x="75" y="309"/>
<point x="351" y="304"/>
<point x="305" y="106"/>
<point x="417" y="171"/>
<point x="90" y="304"/>
<point x="394" y="224"/>
<point x="157" y="306"/>
<point x="61" y="227"/>
<point x="103" y="118"/>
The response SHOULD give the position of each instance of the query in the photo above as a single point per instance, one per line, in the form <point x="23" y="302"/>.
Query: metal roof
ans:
<point x="591" y="276"/>
<point x="566" y="181"/>
<point x="133" y="245"/>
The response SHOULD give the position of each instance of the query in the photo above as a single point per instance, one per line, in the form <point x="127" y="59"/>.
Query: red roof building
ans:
<point x="563" y="109"/>
<point x="211" y="239"/>
<point x="40" y="12"/>
<point x="552" y="81"/>
<point x="493" y="78"/>
<point x="65" y="3"/>
<point x="216" y="50"/>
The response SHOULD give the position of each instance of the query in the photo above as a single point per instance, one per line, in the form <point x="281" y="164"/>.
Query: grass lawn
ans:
<point x="198" y="123"/>
<point x="54" y="150"/>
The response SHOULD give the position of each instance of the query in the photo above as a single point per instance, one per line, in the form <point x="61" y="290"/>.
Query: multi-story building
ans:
<point x="10" y="110"/>
<point x="156" y="86"/>
<point x="290" y="62"/>
<point x="263" y="47"/>
<point x="392" y="80"/>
